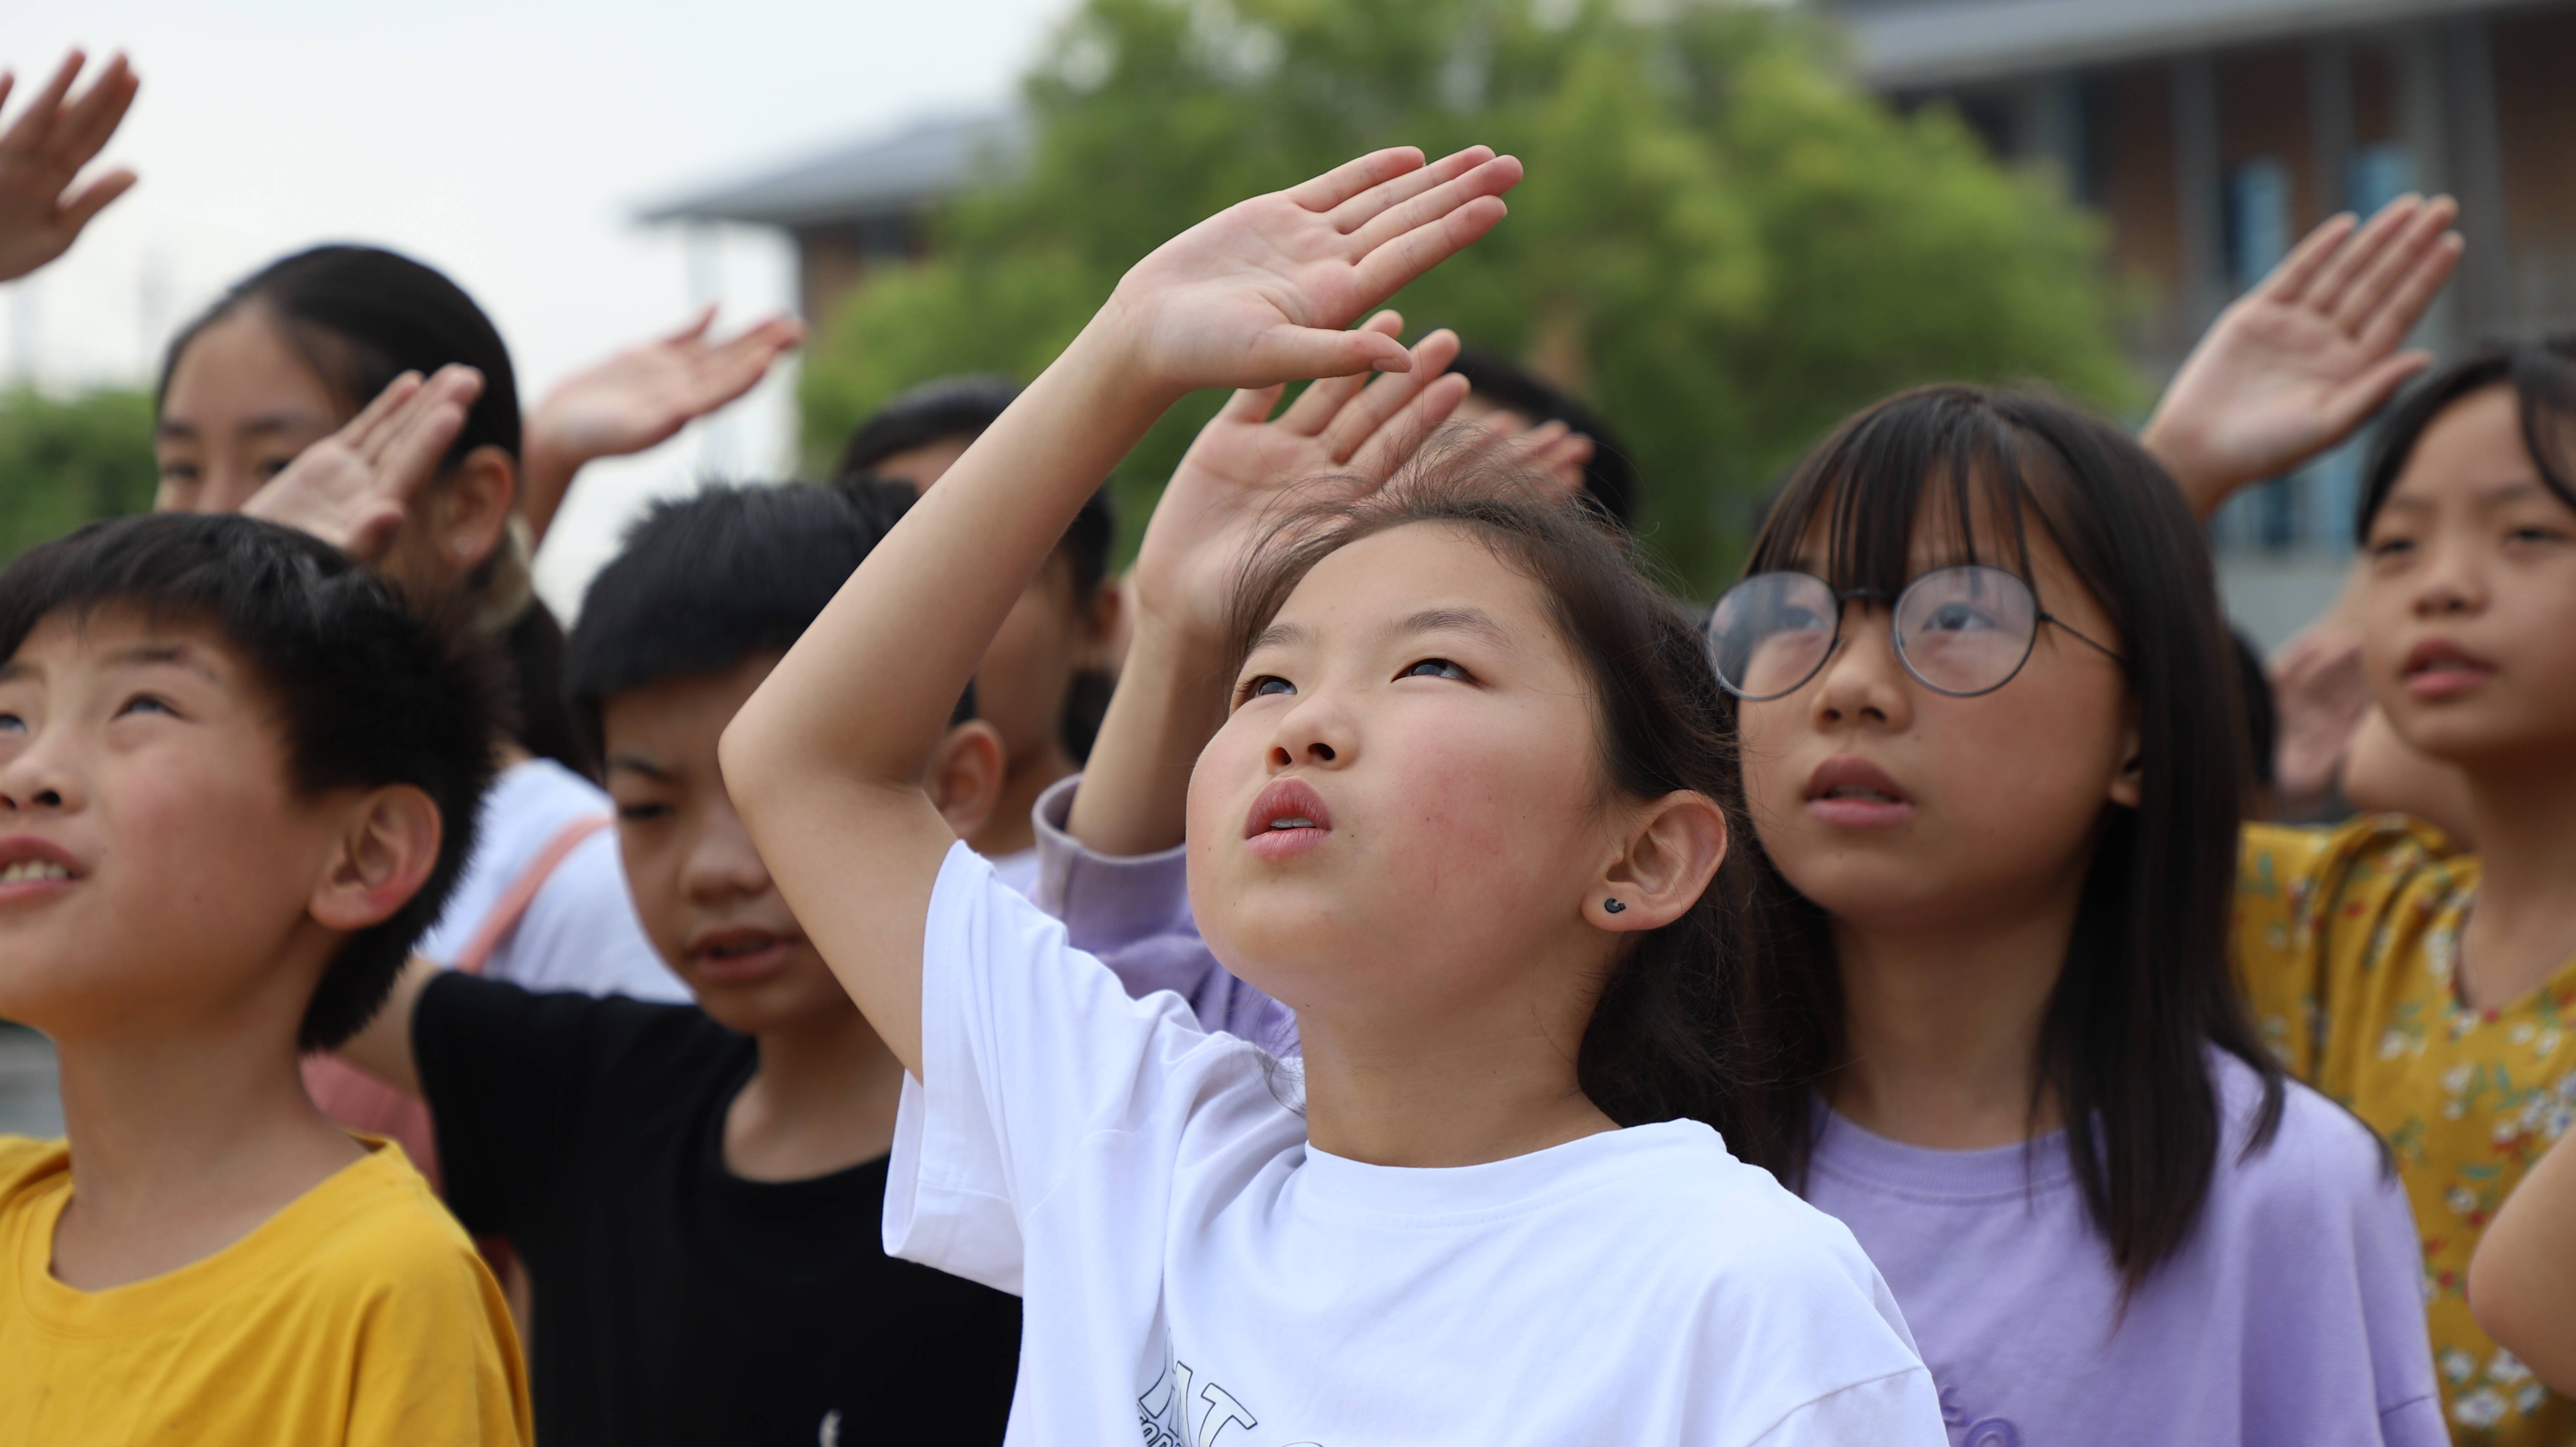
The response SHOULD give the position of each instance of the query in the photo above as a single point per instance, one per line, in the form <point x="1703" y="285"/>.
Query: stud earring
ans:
<point x="1612" y="905"/>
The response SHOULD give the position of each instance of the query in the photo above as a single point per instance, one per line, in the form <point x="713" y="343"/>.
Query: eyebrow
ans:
<point x="638" y="764"/>
<point x="1282" y="635"/>
<point x="1451" y="620"/>
<point x="264" y="424"/>
<point x="172" y="655"/>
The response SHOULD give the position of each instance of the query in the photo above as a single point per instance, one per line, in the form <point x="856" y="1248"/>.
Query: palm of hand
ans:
<point x="334" y="494"/>
<point x="630" y="402"/>
<point x="1215" y="511"/>
<point x="32" y="229"/>
<point x="2280" y="375"/>
<point x="1229" y="296"/>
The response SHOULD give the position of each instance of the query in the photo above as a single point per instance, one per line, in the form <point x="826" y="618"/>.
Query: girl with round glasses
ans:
<point x="1989" y="741"/>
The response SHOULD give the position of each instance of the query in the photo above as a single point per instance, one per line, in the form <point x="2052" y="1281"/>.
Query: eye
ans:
<point x="2391" y="547"/>
<point x="1959" y="618"/>
<point x="271" y="466"/>
<point x="644" y="813"/>
<point x="10" y="723"/>
<point x="1262" y="685"/>
<point x="2535" y="533"/>
<point x="1434" y="668"/>
<point x="145" y="703"/>
<point x="178" y="472"/>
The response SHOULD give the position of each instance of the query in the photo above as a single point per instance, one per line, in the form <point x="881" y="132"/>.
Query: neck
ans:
<point x="1942" y="1026"/>
<point x="183" y="1143"/>
<point x="1009" y="830"/>
<point x="1454" y="1087"/>
<point x="2524" y="925"/>
<point x="822" y="1100"/>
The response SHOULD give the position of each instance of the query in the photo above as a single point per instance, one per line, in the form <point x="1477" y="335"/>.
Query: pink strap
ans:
<point x="506" y="914"/>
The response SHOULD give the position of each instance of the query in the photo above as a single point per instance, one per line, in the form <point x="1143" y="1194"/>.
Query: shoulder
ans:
<point x="2319" y="1154"/>
<point x="562" y="1032"/>
<point x="1732" y="1226"/>
<point x="2288" y="861"/>
<point x="386" y="1240"/>
<point x="27" y="1163"/>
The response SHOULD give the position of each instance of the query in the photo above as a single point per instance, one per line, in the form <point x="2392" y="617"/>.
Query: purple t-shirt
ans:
<point x="2293" y="1314"/>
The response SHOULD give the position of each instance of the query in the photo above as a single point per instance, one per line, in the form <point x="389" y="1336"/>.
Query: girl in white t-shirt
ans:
<point x="1462" y="816"/>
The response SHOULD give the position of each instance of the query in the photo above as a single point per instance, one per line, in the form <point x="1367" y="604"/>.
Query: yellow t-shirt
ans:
<point x="2345" y="940"/>
<point x="359" y="1314"/>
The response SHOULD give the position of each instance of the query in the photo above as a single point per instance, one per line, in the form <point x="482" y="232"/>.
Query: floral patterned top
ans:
<point x="2346" y="939"/>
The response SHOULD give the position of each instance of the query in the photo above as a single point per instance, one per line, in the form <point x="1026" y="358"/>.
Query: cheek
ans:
<point x="652" y="869"/>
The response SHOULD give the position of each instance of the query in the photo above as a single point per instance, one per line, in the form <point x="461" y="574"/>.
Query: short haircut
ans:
<point x="707" y="581"/>
<point x="1609" y="477"/>
<point x="960" y="408"/>
<point x="368" y="692"/>
<point x="2542" y="375"/>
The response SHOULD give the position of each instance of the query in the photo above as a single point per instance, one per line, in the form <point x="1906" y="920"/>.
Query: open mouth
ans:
<point x="32" y="867"/>
<point x="2438" y="668"/>
<point x="1850" y="791"/>
<point x="1288" y="818"/>
<point x="737" y="954"/>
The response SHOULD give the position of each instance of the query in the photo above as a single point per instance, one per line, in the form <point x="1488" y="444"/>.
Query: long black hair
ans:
<point x="2146" y="990"/>
<point x="1663" y="1042"/>
<point x="2542" y="375"/>
<point x="360" y="316"/>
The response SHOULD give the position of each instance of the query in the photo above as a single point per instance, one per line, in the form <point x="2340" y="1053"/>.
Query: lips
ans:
<point x="1850" y="792"/>
<point x="1287" y="819"/>
<point x="2438" y="668"/>
<point x="739" y="954"/>
<point x="33" y="868"/>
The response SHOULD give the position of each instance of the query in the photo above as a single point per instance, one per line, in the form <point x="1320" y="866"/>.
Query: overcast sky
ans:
<point x="509" y="144"/>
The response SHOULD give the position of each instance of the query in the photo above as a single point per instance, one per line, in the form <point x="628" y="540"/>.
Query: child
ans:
<point x="1045" y="678"/>
<point x="2055" y="1287"/>
<point x="1463" y="814"/>
<point x="237" y="779"/>
<point x="690" y="1187"/>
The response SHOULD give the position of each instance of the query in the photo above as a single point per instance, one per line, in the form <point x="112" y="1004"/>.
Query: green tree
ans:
<point x="67" y="462"/>
<point x="1722" y="242"/>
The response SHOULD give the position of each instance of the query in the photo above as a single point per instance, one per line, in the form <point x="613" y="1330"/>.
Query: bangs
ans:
<point x="1930" y="462"/>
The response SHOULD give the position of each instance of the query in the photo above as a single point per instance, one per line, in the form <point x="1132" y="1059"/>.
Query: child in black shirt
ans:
<point x="696" y="1190"/>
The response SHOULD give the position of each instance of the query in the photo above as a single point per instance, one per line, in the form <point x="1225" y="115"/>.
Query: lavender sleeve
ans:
<point x="1133" y="912"/>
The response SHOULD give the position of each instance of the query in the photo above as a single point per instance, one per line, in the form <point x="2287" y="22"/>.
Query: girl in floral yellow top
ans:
<point x="2431" y="991"/>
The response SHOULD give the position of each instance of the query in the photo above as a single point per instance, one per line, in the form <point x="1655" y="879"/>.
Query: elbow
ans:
<point x="747" y="754"/>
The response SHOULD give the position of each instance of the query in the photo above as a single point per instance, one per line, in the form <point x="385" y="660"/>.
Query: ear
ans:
<point x="382" y="859"/>
<point x="1672" y="850"/>
<point x="965" y="782"/>
<point x="2129" y="785"/>
<point x="473" y="505"/>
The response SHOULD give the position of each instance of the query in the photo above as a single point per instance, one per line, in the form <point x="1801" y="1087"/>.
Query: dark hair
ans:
<point x="2262" y="712"/>
<point x="2543" y="377"/>
<point x="361" y="316"/>
<point x="2146" y="989"/>
<point x="704" y="582"/>
<point x="961" y="408"/>
<point x="1610" y="477"/>
<point x="1662" y="1042"/>
<point x="368" y="692"/>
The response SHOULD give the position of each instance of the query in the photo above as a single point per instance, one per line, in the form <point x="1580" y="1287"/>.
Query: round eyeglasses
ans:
<point x="1962" y="630"/>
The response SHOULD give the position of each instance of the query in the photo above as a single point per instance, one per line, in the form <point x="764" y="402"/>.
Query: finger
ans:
<point x="1386" y="396"/>
<point x="1350" y="178"/>
<point x="695" y="327"/>
<point x="94" y="198"/>
<point x="372" y="536"/>
<point x="2351" y="405"/>
<point x="35" y="123"/>
<point x="362" y="428"/>
<point x="1323" y="352"/>
<point x="736" y="368"/>
<point x="8" y="83"/>
<point x="1394" y="444"/>
<point x="454" y="385"/>
<point x="1251" y="405"/>
<point x="1357" y="211"/>
<point x="1386" y="270"/>
<point x="2290" y="280"/>
<point x="95" y="116"/>
<point x="412" y="457"/>
<point x="1319" y="404"/>
<point x="2388" y="275"/>
<point x="1491" y="178"/>
<point x="2327" y="292"/>
<point x="2407" y="302"/>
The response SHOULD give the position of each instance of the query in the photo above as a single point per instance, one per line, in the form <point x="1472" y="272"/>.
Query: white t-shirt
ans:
<point x="1018" y="870"/>
<point x="1196" y="1275"/>
<point x="580" y="933"/>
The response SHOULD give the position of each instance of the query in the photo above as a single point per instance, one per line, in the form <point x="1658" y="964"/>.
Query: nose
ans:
<point x="2451" y="581"/>
<point x="722" y="864"/>
<point x="1864" y="681"/>
<point x="1317" y="732"/>
<point x="34" y="777"/>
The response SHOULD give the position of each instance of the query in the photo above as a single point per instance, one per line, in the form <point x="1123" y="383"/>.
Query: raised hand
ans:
<point x="352" y="488"/>
<point x="44" y="149"/>
<point x="640" y="397"/>
<point x="1261" y="292"/>
<point x="2300" y="361"/>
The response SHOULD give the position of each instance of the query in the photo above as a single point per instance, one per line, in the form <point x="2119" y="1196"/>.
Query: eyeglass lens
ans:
<point x="1961" y="630"/>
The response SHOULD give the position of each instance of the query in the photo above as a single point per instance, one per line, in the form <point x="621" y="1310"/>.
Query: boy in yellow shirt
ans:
<point x="237" y="779"/>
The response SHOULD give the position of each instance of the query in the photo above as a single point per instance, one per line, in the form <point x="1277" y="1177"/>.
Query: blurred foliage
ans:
<point x="1721" y="241"/>
<point x="64" y="462"/>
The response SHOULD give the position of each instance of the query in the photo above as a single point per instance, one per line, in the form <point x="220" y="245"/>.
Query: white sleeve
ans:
<point x="1901" y="1410"/>
<point x="1031" y="1048"/>
<point x="581" y="935"/>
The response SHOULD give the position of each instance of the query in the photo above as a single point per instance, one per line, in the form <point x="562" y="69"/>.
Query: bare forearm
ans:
<point x="1171" y="699"/>
<point x="545" y="480"/>
<point x="2205" y="487"/>
<point x="2522" y="1283"/>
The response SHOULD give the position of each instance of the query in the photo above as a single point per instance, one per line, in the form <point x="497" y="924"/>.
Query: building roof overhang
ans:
<point x="1924" y="44"/>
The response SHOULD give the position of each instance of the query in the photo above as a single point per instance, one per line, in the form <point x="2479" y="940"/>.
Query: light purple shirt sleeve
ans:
<point x="1134" y="913"/>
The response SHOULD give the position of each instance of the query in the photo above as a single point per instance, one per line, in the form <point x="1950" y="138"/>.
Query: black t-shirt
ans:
<point x="676" y="1302"/>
